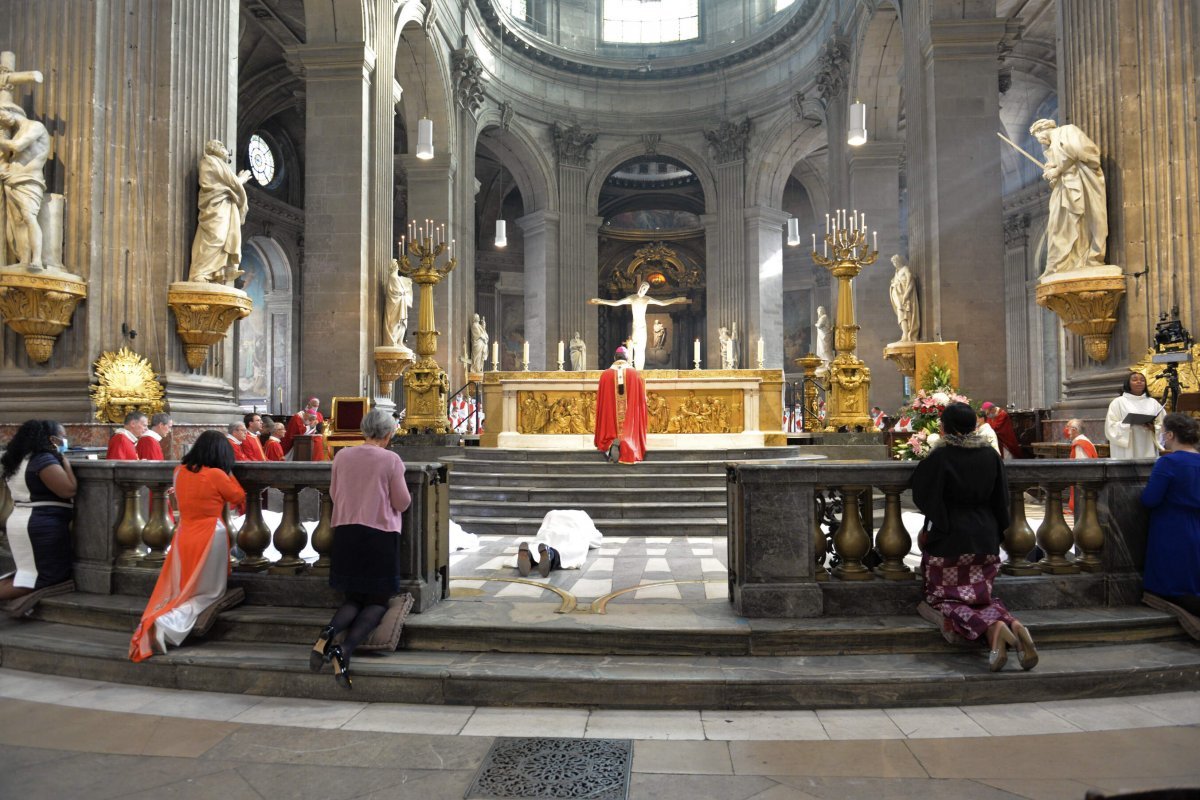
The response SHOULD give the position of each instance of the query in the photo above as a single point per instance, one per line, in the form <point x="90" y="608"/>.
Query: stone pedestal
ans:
<point x="904" y="356"/>
<point x="390" y="363"/>
<point x="1086" y="301"/>
<point x="203" y="313"/>
<point x="38" y="304"/>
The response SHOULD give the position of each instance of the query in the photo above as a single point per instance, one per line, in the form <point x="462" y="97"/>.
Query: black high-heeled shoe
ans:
<point x="319" y="656"/>
<point x="341" y="667"/>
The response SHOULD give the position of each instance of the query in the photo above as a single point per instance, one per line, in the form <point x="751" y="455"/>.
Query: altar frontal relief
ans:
<point x="671" y="411"/>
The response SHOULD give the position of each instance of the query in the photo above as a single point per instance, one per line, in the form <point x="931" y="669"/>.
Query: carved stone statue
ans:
<point x="1077" y="229"/>
<point x="735" y="347"/>
<point x="399" y="300"/>
<point x="578" y="353"/>
<point x="637" y="304"/>
<point x="824" y="336"/>
<point x="728" y="356"/>
<point x="903" y="294"/>
<point x="660" y="336"/>
<point x="24" y="146"/>
<point x="217" y="248"/>
<point x="479" y="343"/>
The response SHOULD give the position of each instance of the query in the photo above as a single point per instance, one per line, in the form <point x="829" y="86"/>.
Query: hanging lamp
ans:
<point x="858" y="124"/>
<point x="793" y="232"/>
<point x="424" y="138"/>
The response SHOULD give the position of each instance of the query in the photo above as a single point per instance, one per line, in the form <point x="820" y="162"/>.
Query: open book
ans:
<point x="1139" y="419"/>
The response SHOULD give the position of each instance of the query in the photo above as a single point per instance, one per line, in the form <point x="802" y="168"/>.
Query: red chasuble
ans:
<point x="1002" y="425"/>
<point x="148" y="449"/>
<point x="621" y="415"/>
<point x="274" y="451"/>
<point x="122" y="447"/>
<point x="251" y="448"/>
<point x="1089" y="451"/>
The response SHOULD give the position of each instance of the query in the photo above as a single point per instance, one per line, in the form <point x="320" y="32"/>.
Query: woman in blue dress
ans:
<point x="1173" y="545"/>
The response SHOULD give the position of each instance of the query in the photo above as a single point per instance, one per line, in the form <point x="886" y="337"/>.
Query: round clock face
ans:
<point x="262" y="160"/>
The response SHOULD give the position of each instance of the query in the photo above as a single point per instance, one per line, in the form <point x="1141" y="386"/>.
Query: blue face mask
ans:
<point x="62" y="445"/>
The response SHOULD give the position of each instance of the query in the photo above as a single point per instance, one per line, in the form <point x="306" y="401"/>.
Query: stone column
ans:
<point x="576" y="262"/>
<point x="591" y="272"/>
<point x="381" y="241"/>
<point x="337" y="308"/>
<point x="129" y="105"/>
<point x="542" y="235"/>
<point x="431" y="196"/>
<point x="963" y="237"/>
<point x="1016" y="310"/>
<point x="832" y="68"/>
<point x="466" y="72"/>
<point x="731" y="275"/>
<point x="875" y="191"/>
<point x="764" y="249"/>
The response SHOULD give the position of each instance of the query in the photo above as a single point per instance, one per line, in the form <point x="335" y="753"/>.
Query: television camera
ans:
<point x="1172" y="346"/>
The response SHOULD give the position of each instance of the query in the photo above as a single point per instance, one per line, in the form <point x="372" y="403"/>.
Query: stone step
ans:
<point x="949" y="677"/>
<point x="644" y="628"/>
<point x="652" y="456"/>
<point x="571" y="496"/>
<point x="666" y="510"/>
<point x="528" y="525"/>
<point x="567" y="480"/>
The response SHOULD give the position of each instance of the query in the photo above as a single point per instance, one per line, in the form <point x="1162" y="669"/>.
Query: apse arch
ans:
<point x="785" y="146"/>
<point x="685" y="156"/>
<point x="524" y="159"/>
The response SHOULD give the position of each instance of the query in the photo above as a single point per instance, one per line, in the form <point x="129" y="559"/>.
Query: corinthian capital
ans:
<point x="728" y="142"/>
<point x="832" y="69"/>
<point x="467" y="74"/>
<point x="572" y="145"/>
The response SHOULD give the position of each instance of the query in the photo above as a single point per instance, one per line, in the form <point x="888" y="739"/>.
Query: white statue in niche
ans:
<point x="217" y="248"/>
<point x="578" y="352"/>
<point x="824" y="337"/>
<point x="1077" y="228"/>
<point x="479" y="343"/>
<point x="399" y="300"/>
<point x="24" y="147"/>
<point x="903" y="293"/>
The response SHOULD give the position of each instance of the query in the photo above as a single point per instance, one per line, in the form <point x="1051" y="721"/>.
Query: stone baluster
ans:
<point x="1089" y="536"/>
<point x="322" y="538"/>
<point x="226" y="520"/>
<point x="254" y="536"/>
<point x="851" y="540"/>
<point x="1054" y="536"/>
<point x="893" y="541"/>
<point x="289" y="536"/>
<point x="1019" y="540"/>
<point x="160" y="527"/>
<point x="130" y="526"/>
<point x="818" y="540"/>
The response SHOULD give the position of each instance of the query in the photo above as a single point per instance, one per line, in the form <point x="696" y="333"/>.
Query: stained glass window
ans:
<point x="262" y="160"/>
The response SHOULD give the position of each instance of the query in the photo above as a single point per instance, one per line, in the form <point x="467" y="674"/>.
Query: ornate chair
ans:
<point x="342" y="429"/>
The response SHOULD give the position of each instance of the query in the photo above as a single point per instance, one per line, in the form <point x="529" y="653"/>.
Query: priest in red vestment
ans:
<point x="297" y="425"/>
<point x="1002" y="424"/>
<point x="274" y="448"/>
<point x="236" y="435"/>
<point x="621" y="412"/>
<point x="123" y="444"/>
<point x="1081" y="447"/>
<point x="251" y="448"/>
<point x="149" y="447"/>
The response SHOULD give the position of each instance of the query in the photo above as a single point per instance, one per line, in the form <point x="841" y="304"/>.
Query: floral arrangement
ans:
<point x="919" y="418"/>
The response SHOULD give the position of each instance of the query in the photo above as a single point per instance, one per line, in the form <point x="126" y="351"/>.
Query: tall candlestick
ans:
<point x="495" y="356"/>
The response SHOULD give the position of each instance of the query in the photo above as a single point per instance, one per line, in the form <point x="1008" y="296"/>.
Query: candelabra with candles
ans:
<point x="849" y="377"/>
<point x="425" y="383"/>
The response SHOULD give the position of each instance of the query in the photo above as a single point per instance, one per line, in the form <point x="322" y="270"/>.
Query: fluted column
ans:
<point x="132" y="92"/>
<point x="381" y="242"/>
<point x="337" y="299"/>
<point x="541" y="232"/>
<point x="1017" y="304"/>
<point x="764" y="248"/>
<point x="576" y="251"/>
<point x="729" y="274"/>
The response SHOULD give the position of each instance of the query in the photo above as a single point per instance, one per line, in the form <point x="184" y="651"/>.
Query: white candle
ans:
<point x="862" y="220"/>
<point x="875" y="240"/>
<point x="826" y="223"/>
<point x="825" y="247"/>
<point x="696" y="352"/>
<point x="525" y="353"/>
<point x="495" y="354"/>
<point x="560" y="351"/>
<point x="814" y="243"/>
<point x="760" y="351"/>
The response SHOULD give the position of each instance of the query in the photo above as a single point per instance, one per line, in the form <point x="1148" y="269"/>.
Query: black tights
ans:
<point x="358" y="616"/>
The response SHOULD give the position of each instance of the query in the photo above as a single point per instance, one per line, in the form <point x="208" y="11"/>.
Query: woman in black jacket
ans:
<point x="962" y="490"/>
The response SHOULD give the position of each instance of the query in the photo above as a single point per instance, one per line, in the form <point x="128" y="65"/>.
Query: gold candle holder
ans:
<point x="426" y="384"/>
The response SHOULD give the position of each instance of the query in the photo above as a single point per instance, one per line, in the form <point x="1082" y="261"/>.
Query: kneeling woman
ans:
<point x="196" y="568"/>
<point x="963" y="492"/>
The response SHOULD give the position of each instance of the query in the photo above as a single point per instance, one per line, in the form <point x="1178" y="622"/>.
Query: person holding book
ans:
<point x="1134" y="421"/>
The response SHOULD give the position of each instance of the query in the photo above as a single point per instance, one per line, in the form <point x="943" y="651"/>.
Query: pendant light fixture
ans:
<point x="858" y="124"/>
<point x="424" y="138"/>
<point x="501" y="225"/>
<point x="793" y="232"/>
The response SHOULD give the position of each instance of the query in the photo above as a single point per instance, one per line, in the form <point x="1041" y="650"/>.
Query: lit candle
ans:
<point x="495" y="354"/>
<point x="560" y="351"/>
<point x="452" y="248"/>
<point x="826" y="248"/>
<point x="814" y="243"/>
<point x="862" y="220"/>
<point x="696" y="353"/>
<point x="875" y="240"/>
<point x="281" y="398"/>
<point x="760" y="351"/>
<point x="525" y="354"/>
<point x="826" y="224"/>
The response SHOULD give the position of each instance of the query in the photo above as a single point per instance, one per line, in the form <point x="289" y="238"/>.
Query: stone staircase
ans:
<point x="508" y="492"/>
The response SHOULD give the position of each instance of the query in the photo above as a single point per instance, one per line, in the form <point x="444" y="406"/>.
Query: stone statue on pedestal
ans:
<point x="824" y="338"/>
<point x="217" y="248"/>
<point x="578" y="353"/>
<point x="1077" y="229"/>
<point x="398" y="301"/>
<point x="903" y="294"/>
<point x="24" y="146"/>
<point x="479" y="343"/>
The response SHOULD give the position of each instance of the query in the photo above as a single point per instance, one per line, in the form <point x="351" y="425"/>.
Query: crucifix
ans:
<point x="10" y="79"/>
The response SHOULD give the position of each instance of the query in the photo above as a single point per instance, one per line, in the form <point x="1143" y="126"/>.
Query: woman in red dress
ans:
<point x="196" y="568"/>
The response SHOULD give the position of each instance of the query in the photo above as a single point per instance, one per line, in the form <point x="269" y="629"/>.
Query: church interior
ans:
<point x="794" y="217"/>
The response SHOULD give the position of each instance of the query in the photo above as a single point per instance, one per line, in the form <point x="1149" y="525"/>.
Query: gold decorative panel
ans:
<point x="669" y="411"/>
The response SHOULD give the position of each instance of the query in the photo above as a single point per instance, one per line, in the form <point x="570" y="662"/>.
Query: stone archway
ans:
<point x="264" y="358"/>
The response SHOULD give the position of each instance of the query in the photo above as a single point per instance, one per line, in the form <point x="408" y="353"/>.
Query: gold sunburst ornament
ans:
<point x="126" y="383"/>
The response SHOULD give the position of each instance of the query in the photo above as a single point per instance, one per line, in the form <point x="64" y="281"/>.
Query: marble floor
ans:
<point x="63" y="737"/>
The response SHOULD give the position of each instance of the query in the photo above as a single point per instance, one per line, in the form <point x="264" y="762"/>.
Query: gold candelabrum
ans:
<point x="426" y="384"/>
<point x="849" y="376"/>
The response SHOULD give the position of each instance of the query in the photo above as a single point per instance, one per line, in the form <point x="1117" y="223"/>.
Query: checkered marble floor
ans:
<point x="680" y="568"/>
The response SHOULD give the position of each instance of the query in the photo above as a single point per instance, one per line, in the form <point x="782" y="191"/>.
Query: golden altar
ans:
<point x="687" y="409"/>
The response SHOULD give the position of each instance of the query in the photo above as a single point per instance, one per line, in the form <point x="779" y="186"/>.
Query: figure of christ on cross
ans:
<point x="637" y="304"/>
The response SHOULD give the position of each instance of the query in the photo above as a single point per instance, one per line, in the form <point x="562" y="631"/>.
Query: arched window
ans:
<point x="263" y="160"/>
<point x="650" y="21"/>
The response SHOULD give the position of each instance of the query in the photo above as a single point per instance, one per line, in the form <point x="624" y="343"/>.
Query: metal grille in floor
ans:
<point x="536" y="767"/>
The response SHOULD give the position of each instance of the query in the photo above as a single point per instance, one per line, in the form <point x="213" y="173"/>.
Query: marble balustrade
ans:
<point x="783" y="564"/>
<point x="120" y="538"/>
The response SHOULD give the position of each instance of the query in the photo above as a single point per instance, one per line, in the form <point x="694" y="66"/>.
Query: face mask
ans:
<point x="62" y="445"/>
<point x="1067" y="432"/>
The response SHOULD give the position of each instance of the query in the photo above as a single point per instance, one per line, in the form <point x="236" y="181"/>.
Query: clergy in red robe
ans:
<point x="149" y="447"/>
<point x="1081" y="447"/>
<point x="1002" y="424"/>
<point x="297" y="423"/>
<point x="274" y="449"/>
<point x="236" y="436"/>
<point x="621" y="412"/>
<point x="123" y="444"/>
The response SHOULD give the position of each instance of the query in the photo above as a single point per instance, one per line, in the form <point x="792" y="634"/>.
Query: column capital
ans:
<point x="331" y="61"/>
<point x="965" y="39"/>
<point x="877" y="154"/>
<point x="428" y="169"/>
<point x="766" y="217"/>
<point x="537" y="222"/>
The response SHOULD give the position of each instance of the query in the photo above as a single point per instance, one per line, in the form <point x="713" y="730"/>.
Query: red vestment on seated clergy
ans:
<point x="621" y="415"/>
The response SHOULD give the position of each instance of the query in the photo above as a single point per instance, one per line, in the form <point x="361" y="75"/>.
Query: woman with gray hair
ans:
<point x="369" y="495"/>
